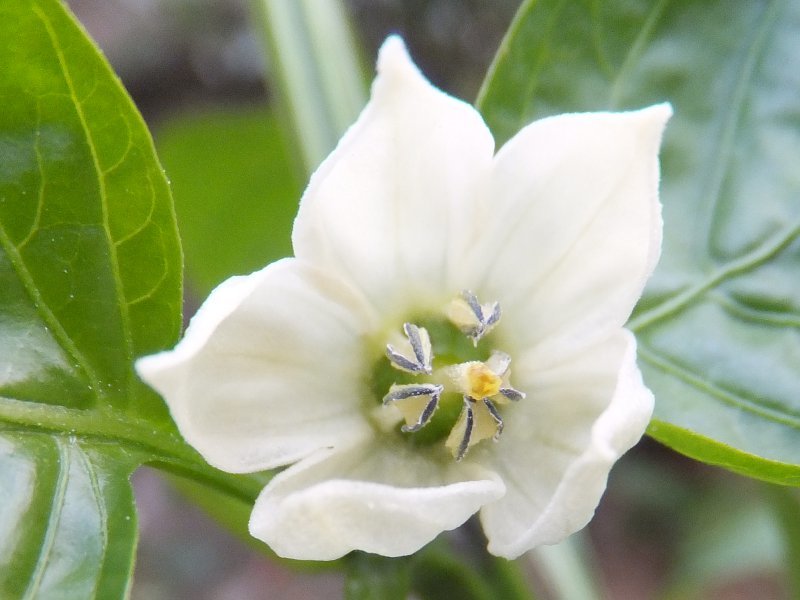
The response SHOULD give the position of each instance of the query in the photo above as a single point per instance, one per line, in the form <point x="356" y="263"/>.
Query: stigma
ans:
<point x="484" y="386"/>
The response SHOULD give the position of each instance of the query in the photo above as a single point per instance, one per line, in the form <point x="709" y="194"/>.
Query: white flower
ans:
<point x="448" y="338"/>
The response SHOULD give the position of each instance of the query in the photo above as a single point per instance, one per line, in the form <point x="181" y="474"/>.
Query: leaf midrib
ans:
<point x="112" y="254"/>
<point x="113" y="427"/>
<point x="106" y="424"/>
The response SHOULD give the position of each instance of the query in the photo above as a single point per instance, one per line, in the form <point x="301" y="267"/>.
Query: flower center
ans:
<point x="482" y="382"/>
<point x="431" y="372"/>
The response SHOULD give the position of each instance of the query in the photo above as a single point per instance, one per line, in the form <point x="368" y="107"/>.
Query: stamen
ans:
<point x="512" y="394"/>
<point x="484" y="385"/>
<point x="496" y="416"/>
<point x="401" y="392"/>
<point x="466" y="421"/>
<point x="416" y="402"/>
<point x="499" y="362"/>
<point x="420" y="344"/>
<point x="473" y="318"/>
<point x="422" y="350"/>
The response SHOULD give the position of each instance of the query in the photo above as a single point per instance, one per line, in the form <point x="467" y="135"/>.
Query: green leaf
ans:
<point x="80" y="522"/>
<point x="90" y="263"/>
<point x="372" y="577"/>
<point x="718" y="324"/>
<point x="235" y="192"/>
<point x="465" y="570"/>
<point x="89" y="279"/>
<point x="726" y="533"/>
<point x="786" y="508"/>
<point x="569" y="568"/>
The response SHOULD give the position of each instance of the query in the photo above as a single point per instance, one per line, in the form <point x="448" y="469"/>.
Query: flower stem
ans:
<point x="372" y="577"/>
<point x="438" y="571"/>
<point x="566" y="569"/>
<point x="316" y="66"/>
<point x="785" y="504"/>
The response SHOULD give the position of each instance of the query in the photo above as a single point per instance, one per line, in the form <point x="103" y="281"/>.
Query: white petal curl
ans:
<point x="576" y="229"/>
<point x="561" y="442"/>
<point x="386" y="208"/>
<point x="269" y="369"/>
<point x="376" y="497"/>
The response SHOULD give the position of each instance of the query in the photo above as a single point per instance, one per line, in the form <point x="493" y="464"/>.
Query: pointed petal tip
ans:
<point x="153" y="369"/>
<point x="146" y="365"/>
<point x="395" y="60"/>
<point x="656" y="116"/>
<point x="392" y="50"/>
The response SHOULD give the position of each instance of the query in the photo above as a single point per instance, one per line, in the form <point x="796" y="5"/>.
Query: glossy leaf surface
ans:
<point x="77" y="508"/>
<point x="718" y="326"/>
<point x="90" y="263"/>
<point x="89" y="279"/>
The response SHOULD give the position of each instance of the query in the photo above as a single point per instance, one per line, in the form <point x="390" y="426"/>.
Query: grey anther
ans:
<point x="486" y="316"/>
<point x="424" y="416"/>
<point x="411" y="390"/>
<point x="402" y="392"/>
<point x="468" y="426"/>
<point x="512" y="394"/>
<point x="420" y="347"/>
<point x="496" y="416"/>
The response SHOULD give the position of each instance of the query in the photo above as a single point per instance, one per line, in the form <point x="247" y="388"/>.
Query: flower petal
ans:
<point x="269" y="369"/>
<point x="578" y="226"/>
<point x="560" y="443"/>
<point x="384" y="208"/>
<point x="376" y="497"/>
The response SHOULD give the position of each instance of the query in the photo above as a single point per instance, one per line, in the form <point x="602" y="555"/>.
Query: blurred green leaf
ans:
<point x="786" y="508"/>
<point x="718" y="324"/>
<point x="725" y="534"/>
<point x="569" y="568"/>
<point x="372" y="577"/>
<point x="235" y="191"/>
<point x="465" y="570"/>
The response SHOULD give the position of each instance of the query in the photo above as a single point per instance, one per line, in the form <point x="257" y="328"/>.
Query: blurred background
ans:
<point x="199" y="72"/>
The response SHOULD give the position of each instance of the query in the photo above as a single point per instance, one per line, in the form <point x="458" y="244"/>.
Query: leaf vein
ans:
<point x="102" y="512"/>
<point x="768" y="249"/>
<point x="715" y="391"/>
<point x="125" y="151"/>
<point x="37" y="218"/>
<point x="635" y="51"/>
<point x="48" y="317"/>
<point x="103" y="193"/>
<point x="732" y="116"/>
<point x="759" y="317"/>
<point x="147" y="220"/>
<point x="53" y="522"/>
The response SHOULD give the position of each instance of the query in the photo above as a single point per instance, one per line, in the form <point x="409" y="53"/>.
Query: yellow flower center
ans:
<point x="482" y="382"/>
